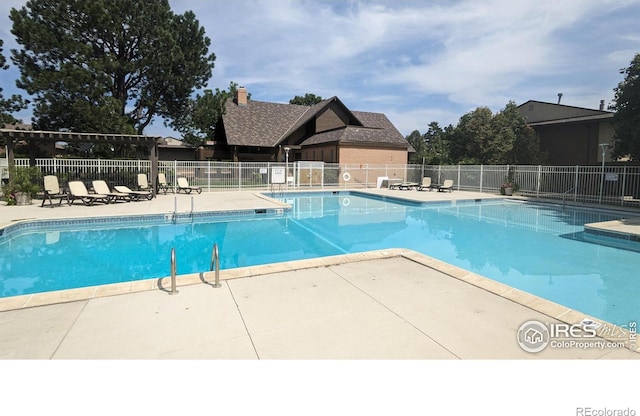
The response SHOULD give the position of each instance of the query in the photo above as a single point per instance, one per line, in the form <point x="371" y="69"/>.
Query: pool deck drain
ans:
<point x="385" y="304"/>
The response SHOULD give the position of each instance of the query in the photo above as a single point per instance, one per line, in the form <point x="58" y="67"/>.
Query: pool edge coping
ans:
<point x="538" y="304"/>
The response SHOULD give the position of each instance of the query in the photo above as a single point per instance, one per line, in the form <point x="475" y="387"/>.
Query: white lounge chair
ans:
<point x="143" y="183"/>
<point x="446" y="186"/>
<point x="183" y="185"/>
<point x="101" y="187"/>
<point x="630" y="199"/>
<point x="425" y="185"/>
<point x="394" y="183"/>
<point x="135" y="195"/>
<point x="407" y="185"/>
<point x="52" y="190"/>
<point x="163" y="185"/>
<point x="77" y="190"/>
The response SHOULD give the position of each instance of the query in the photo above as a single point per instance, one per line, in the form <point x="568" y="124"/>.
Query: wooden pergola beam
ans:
<point x="10" y="136"/>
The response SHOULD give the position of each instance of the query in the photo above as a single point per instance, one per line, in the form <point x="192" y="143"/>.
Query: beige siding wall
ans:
<point x="372" y="156"/>
<point x="327" y="154"/>
<point x="355" y="155"/>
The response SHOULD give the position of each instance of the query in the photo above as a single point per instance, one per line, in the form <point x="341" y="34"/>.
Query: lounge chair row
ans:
<point x="78" y="190"/>
<point x="182" y="184"/>
<point x="102" y="193"/>
<point x="425" y="185"/>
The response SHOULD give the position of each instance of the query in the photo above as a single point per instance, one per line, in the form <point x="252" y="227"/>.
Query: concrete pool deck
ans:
<point x="387" y="304"/>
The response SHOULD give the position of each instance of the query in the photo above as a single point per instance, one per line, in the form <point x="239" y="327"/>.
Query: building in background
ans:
<point x="325" y="132"/>
<point x="570" y="135"/>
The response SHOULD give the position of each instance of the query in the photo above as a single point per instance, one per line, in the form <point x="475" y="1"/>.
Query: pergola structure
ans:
<point x="10" y="137"/>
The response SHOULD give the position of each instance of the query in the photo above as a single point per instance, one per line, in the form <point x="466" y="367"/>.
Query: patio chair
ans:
<point x="394" y="183"/>
<point x="135" y="195"/>
<point x="407" y="185"/>
<point x="446" y="186"/>
<point x="163" y="185"/>
<point x="143" y="183"/>
<point x="426" y="184"/>
<point x="183" y="185"/>
<point x="77" y="190"/>
<point x="52" y="190"/>
<point x="101" y="187"/>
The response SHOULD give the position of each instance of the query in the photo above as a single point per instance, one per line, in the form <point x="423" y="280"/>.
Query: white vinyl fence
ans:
<point x="593" y="184"/>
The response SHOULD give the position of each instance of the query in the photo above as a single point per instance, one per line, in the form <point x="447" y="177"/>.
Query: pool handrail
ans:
<point x="215" y="264"/>
<point x="173" y="272"/>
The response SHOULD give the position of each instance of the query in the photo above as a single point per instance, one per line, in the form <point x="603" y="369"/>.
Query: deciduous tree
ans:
<point x="416" y="141"/>
<point x="513" y="141"/>
<point x="437" y="144"/>
<point x="308" y="99"/>
<point x="199" y="123"/>
<point x="627" y="116"/>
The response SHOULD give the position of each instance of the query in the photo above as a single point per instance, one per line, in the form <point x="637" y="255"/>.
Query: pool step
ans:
<point x="612" y="239"/>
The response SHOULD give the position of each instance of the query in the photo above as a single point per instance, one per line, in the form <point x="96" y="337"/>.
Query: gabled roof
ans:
<point x="266" y="124"/>
<point x="376" y="129"/>
<point x="318" y="108"/>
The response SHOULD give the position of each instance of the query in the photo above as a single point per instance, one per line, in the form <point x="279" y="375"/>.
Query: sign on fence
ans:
<point x="278" y="176"/>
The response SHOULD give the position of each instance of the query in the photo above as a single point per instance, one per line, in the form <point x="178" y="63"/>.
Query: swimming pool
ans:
<point x="541" y="249"/>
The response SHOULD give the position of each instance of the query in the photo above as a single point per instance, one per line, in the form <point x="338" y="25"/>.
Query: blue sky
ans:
<point x="415" y="61"/>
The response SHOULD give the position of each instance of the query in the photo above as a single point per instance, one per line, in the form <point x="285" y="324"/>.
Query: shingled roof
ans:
<point x="259" y="123"/>
<point x="266" y="124"/>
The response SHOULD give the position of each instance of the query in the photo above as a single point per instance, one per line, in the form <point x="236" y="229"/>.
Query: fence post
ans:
<point x="539" y="184"/>
<point x="366" y="176"/>
<point x="175" y="175"/>
<point x="575" y="184"/>
<point x="481" y="176"/>
<point x="624" y="185"/>
<point x="240" y="176"/>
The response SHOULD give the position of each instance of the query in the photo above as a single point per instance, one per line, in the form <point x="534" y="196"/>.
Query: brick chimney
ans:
<point x="241" y="96"/>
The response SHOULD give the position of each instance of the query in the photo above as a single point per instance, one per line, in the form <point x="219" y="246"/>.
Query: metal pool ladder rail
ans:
<point x="215" y="264"/>
<point x="173" y="272"/>
<point x="575" y="189"/>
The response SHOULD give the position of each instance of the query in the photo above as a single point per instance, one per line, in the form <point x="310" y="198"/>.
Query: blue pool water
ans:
<point x="541" y="249"/>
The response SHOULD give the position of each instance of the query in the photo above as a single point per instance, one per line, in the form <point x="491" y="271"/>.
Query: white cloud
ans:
<point x="419" y="61"/>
